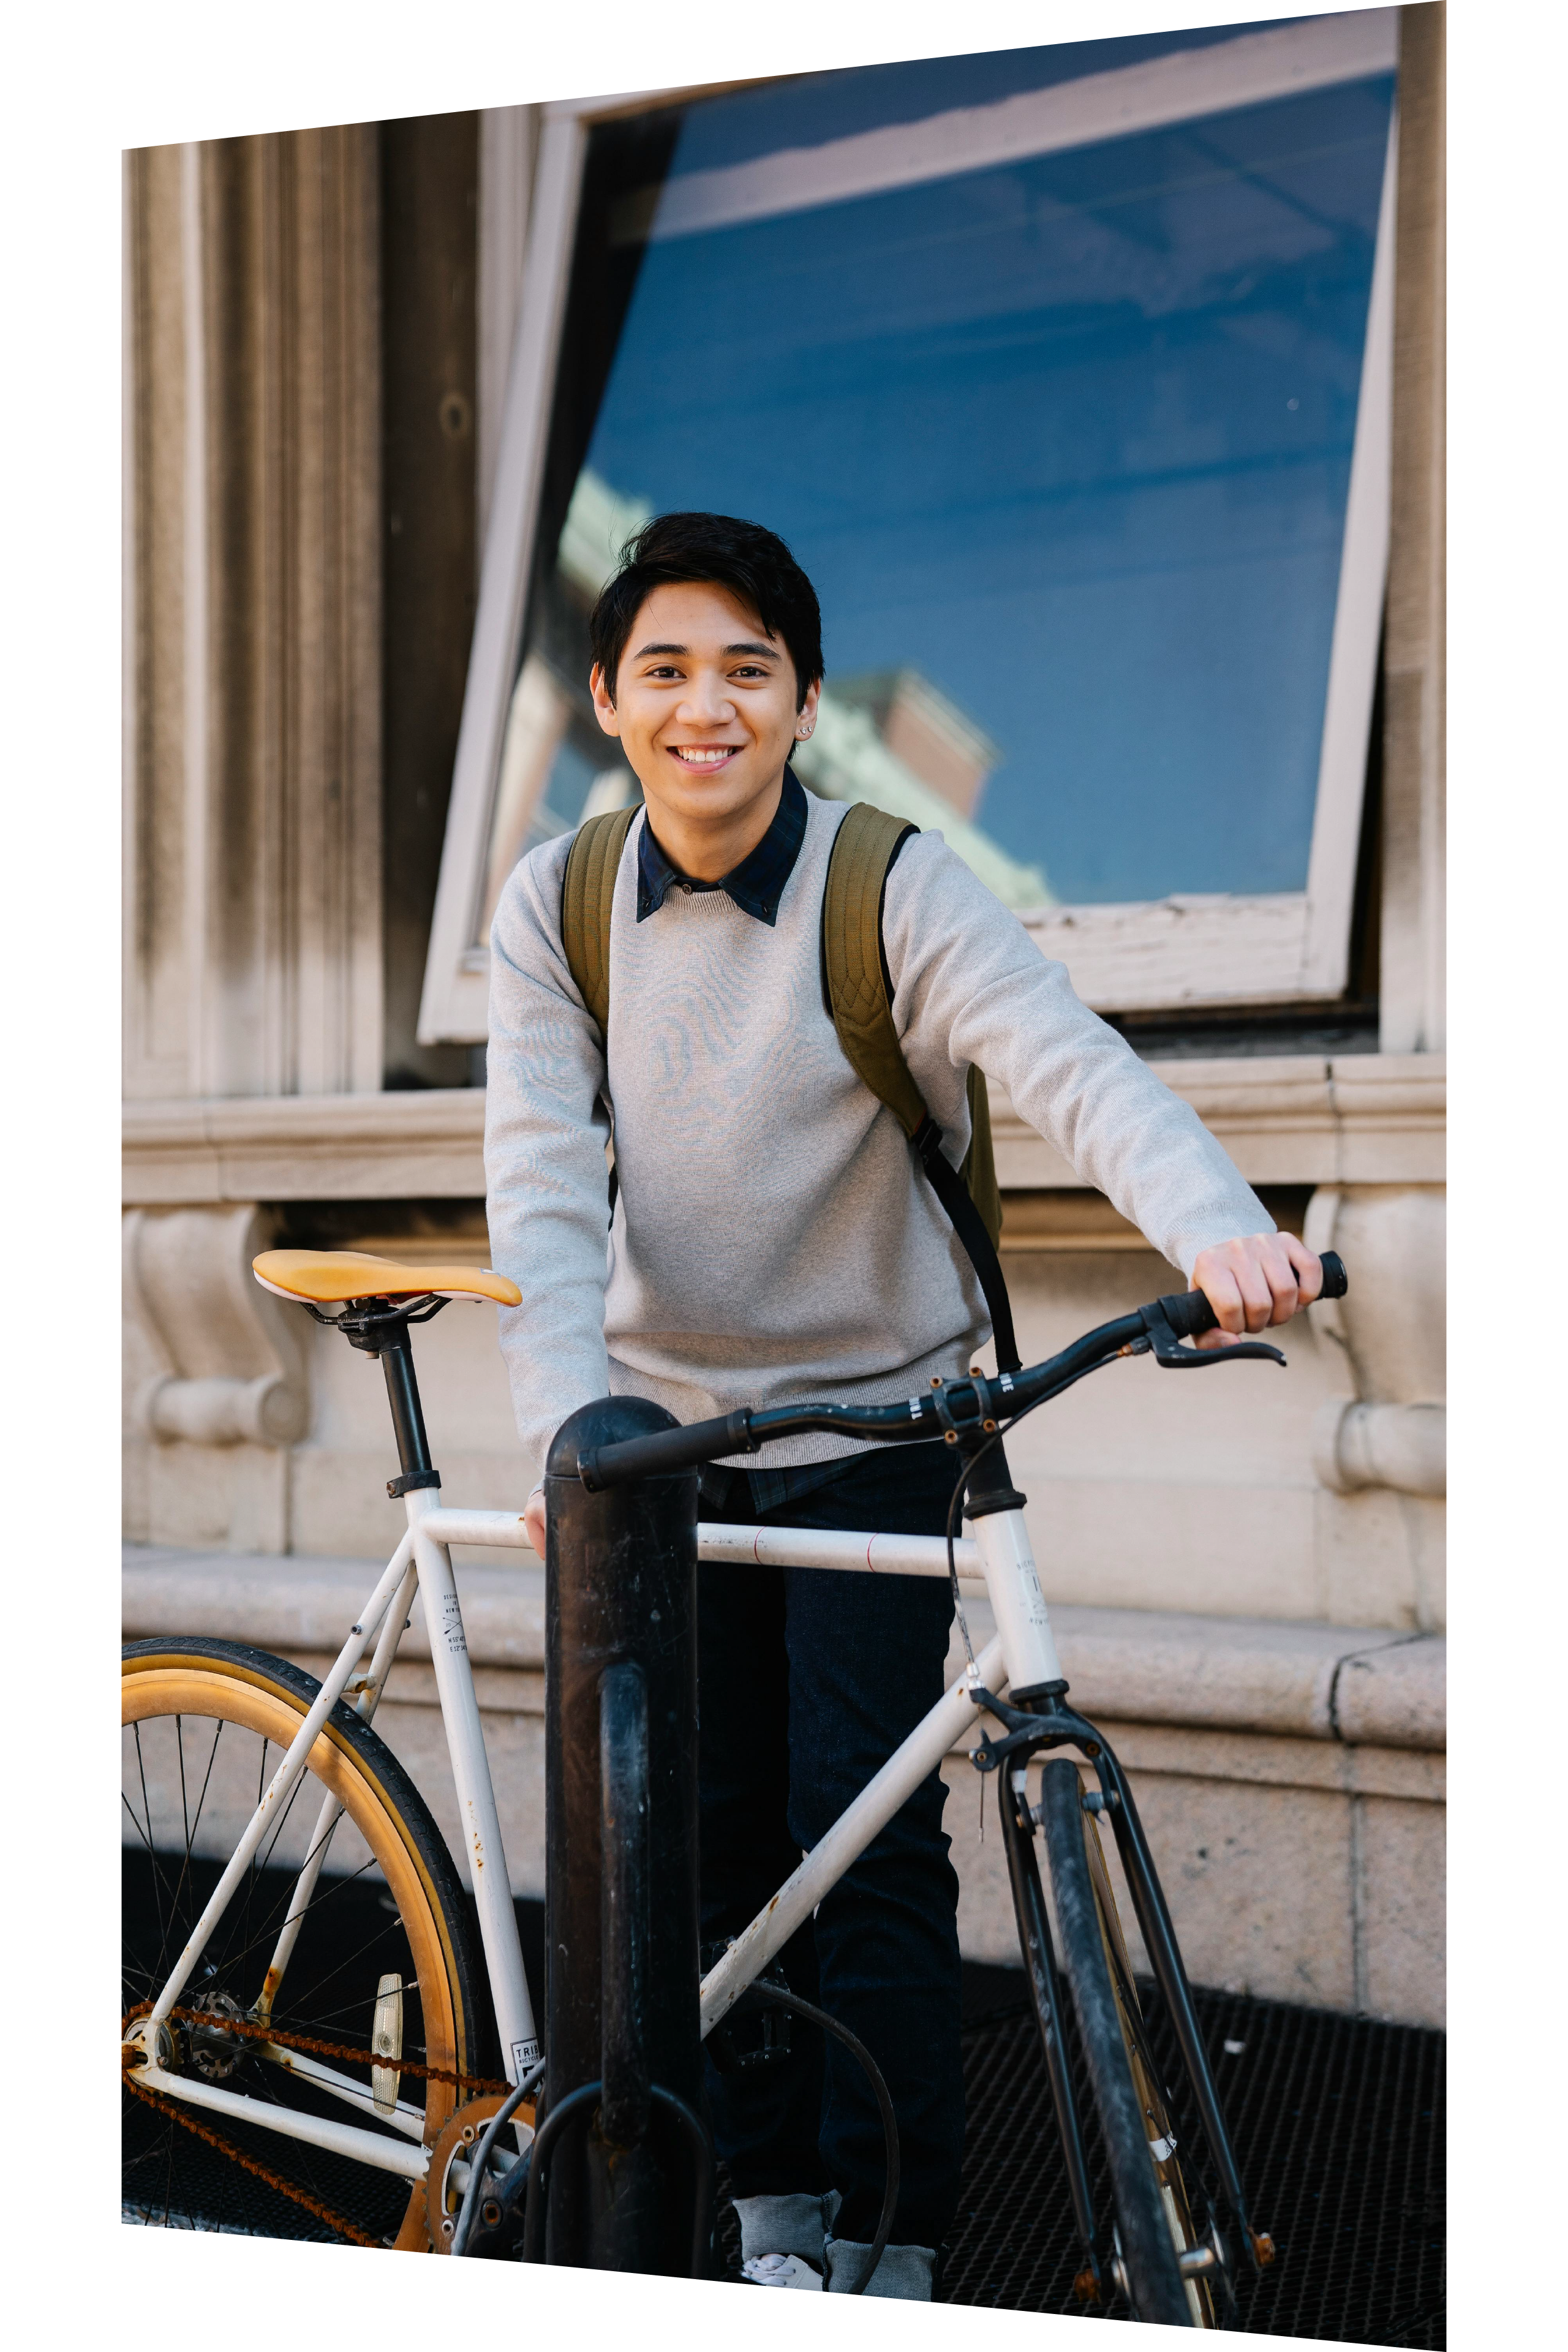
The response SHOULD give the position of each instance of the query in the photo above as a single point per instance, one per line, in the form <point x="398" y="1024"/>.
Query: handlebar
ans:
<point x="973" y="1405"/>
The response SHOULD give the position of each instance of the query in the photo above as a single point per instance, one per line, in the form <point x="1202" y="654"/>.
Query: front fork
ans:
<point x="1039" y="1718"/>
<point x="1057" y="1725"/>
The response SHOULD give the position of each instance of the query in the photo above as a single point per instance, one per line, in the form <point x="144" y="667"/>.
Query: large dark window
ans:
<point x="1056" y="369"/>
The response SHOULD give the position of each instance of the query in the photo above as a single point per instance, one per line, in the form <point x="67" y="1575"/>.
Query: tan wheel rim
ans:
<point x="180" y="1685"/>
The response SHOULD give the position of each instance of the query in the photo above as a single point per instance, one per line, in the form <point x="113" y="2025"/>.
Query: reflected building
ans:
<point x="945" y="751"/>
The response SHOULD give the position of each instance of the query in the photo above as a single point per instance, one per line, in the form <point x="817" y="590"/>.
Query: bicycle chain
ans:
<point x="315" y="2047"/>
<point x="172" y="2107"/>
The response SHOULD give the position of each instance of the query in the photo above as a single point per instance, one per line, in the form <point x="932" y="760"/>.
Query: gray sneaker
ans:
<point x="904" y="2271"/>
<point x="781" y="2270"/>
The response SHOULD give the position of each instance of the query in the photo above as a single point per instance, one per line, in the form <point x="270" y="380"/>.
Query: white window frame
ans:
<point x="1144" y="956"/>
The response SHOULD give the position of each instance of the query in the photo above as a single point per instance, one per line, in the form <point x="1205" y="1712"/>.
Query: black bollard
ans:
<point x="621" y="1916"/>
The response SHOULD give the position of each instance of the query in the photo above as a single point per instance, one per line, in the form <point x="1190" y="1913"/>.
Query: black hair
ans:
<point x="753" y="564"/>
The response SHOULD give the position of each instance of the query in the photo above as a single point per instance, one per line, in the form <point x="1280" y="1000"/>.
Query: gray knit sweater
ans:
<point x="774" y="1238"/>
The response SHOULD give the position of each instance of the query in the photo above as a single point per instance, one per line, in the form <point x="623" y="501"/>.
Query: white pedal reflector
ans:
<point x="386" y="2041"/>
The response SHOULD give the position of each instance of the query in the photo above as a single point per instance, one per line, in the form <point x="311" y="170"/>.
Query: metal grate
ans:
<point x="1337" y="2125"/>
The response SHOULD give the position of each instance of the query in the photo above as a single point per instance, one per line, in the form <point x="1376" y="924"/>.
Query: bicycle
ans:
<point x="426" y="2162"/>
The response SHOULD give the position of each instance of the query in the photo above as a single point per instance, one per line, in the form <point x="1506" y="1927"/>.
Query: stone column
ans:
<point x="253" y="737"/>
<point x="1411" y="948"/>
<point x="253" y="851"/>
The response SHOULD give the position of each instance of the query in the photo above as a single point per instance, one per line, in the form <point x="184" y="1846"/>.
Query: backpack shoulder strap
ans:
<point x="858" y="988"/>
<point x="979" y="1169"/>
<point x="854" y="968"/>
<point x="587" y="894"/>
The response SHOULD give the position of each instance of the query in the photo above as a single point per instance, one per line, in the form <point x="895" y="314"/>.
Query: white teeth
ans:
<point x="696" y="758"/>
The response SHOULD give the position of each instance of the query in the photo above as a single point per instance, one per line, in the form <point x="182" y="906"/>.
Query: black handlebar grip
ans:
<point x="665" y="1452"/>
<point x="1189" y="1312"/>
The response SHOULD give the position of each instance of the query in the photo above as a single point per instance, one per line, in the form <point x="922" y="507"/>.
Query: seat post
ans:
<point x="396" y="1352"/>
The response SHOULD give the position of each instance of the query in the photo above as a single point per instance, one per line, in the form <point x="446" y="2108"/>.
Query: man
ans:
<point x="774" y="1239"/>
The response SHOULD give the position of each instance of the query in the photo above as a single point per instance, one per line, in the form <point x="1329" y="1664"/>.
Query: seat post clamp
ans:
<point x="411" y="1479"/>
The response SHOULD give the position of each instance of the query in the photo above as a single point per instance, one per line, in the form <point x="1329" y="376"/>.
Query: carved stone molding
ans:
<point x="1392" y="1433"/>
<point x="1400" y="1445"/>
<point x="230" y="1366"/>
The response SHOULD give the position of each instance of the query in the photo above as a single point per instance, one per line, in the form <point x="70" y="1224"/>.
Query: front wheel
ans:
<point x="1147" y="2193"/>
<point x="377" y="1963"/>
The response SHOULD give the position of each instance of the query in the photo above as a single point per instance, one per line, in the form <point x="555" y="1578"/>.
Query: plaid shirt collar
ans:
<point x="756" y="884"/>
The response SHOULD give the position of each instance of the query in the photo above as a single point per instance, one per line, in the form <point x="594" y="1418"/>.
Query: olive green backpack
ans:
<point x="857" y="992"/>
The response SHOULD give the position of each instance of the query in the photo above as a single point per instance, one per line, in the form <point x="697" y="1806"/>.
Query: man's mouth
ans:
<point x="705" y="755"/>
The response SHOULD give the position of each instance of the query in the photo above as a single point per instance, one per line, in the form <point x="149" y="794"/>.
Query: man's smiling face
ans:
<point x="705" y="708"/>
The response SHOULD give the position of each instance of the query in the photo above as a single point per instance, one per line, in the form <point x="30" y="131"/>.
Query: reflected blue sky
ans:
<point x="1071" y="437"/>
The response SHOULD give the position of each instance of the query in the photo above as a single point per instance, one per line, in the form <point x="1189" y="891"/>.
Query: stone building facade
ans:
<point x="316" y="326"/>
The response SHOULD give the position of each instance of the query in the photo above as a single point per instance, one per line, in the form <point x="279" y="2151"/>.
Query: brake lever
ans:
<point x="1168" y="1349"/>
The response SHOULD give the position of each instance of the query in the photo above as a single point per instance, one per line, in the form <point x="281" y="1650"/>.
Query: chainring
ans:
<point x="459" y="2136"/>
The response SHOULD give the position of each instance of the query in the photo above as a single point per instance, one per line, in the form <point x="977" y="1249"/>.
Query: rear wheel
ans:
<point x="1152" y="2215"/>
<point x="382" y="1951"/>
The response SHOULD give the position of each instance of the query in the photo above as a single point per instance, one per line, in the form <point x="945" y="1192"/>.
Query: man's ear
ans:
<point x="604" y="701"/>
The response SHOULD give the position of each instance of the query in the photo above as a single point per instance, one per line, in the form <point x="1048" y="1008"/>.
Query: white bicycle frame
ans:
<point x="1022" y="1653"/>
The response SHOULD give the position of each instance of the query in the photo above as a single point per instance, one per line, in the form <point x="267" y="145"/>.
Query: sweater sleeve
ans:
<point x="545" y="1129"/>
<point x="971" y="986"/>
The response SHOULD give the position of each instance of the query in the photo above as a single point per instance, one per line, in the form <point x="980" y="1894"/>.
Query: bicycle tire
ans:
<point x="388" y="1902"/>
<point x="1154" y="2285"/>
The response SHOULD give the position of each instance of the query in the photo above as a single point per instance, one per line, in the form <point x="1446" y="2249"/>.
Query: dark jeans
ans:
<point x="809" y="1679"/>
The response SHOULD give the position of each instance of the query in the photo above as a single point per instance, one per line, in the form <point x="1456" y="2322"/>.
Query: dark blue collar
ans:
<point x="756" y="884"/>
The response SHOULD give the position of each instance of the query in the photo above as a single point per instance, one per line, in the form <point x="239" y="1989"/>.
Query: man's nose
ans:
<point x="707" y="701"/>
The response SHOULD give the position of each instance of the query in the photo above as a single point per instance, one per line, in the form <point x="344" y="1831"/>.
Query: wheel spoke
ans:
<point x="152" y="1851"/>
<point x="186" y="1865"/>
<point x="147" y="1815"/>
<point x="185" y="1800"/>
<point x="251" y="1874"/>
<point x="330" y="2016"/>
<point x="264" y="1861"/>
<point x="313" y="1909"/>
